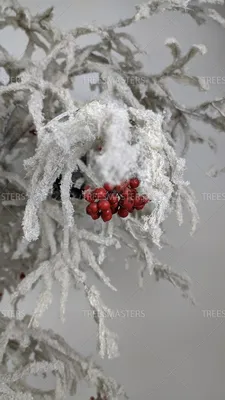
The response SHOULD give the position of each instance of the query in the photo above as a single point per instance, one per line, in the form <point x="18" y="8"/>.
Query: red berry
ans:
<point x="106" y="215"/>
<point x="114" y="209"/>
<point x="107" y="212"/>
<point x="95" y="216"/>
<point x="92" y="208"/>
<point x="118" y="188"/>
<point x="134" y="183"/>
<point x="128" y="204"/>
<point x="133" y="193"/>
<point x="99" y="193"/>
<point x="22" y="276"/>
<point x="126" y="193"/>
<point x="88" y="195"/>
<point x="113" y="198"/>
<point x="108" y="187"/>
<point x="137" y="200"/>
<point x="123" y="213"/>
<point x="86" y="187"/>
<point x="124" y="185"/>
<point x="140" y="207"/>
<point x="103" y="205"/>
<point x="143" y="199"/>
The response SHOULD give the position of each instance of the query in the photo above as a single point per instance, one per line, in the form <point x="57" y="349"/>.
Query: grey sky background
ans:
<point x="175" y="351"/>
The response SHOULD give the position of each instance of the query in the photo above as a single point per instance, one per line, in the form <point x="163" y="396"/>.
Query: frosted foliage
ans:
<point x="48" y="136"/>
<point x="119" y="157"/>
<point x="217" y="17"/>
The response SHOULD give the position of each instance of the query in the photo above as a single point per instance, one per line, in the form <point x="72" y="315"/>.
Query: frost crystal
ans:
<point x="54" y="138"/>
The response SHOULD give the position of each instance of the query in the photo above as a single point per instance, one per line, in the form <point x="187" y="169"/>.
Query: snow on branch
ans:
<point x="45" y="352"/>
<point x="135" y="121"/>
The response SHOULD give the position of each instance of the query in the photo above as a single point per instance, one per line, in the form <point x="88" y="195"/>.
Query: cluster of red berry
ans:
<point x="108" y="200"/>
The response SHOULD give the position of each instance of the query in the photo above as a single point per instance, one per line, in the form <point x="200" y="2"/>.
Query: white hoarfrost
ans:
<point x="143" y="151"/>
<point x="135" y="119"/>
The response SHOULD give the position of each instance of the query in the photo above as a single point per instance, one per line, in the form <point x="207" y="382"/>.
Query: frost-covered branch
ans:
<point x="52" y="144"/>
<point x="39" y="352"/>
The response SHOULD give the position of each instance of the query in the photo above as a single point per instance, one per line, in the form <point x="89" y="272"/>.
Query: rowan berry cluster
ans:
<point x="108" y="200"/>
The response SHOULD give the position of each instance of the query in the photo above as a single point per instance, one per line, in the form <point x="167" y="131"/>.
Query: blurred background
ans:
<point x="170" y="349"/>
